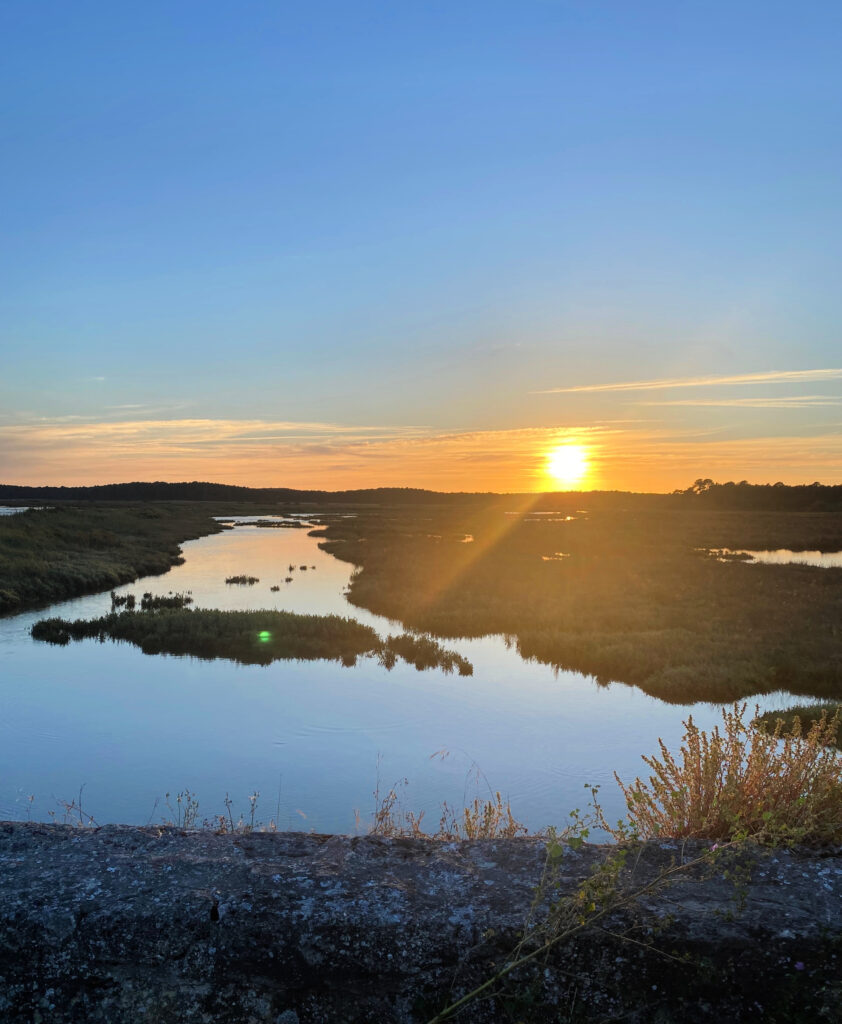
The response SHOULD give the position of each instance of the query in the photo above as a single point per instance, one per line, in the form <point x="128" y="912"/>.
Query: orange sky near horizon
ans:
<point x="621" y="455"/>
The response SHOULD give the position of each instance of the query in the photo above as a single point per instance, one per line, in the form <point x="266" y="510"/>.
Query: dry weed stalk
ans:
<point x="743" y="781"/>
<point x="483" y="819"/>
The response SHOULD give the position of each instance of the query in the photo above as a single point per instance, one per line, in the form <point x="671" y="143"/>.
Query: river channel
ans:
<point x="312" y="738"/>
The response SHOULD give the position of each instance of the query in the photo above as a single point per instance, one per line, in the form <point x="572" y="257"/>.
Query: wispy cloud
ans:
<point x="148" y="409"/>
<point x="770" y="377"/>
<point x="303" y="454"/>
<point x="624" y="455"/>
<point x="770" y="402"/>
<point x="184" y="434"/>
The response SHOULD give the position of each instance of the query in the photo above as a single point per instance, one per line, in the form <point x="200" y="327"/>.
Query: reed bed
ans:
<point x="252" y="637"/>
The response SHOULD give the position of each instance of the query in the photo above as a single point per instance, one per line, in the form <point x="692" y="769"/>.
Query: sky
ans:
<point x="421" y="244"/>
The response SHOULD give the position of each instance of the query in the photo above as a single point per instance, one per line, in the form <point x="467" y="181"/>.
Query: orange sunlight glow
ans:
<point x="615" y="455"/>
<point x="568" y="464"/>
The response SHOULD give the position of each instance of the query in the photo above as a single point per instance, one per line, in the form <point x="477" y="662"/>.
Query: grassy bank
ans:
<point x="53" y="554"/>
<point x="806" y="714"/>
<point x="636" y="598"/>
<point x="252" y="638"/>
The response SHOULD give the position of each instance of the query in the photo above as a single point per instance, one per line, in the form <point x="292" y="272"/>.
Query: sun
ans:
<point x="568" y="464"/>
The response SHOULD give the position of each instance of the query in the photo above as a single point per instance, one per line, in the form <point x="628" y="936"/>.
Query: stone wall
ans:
<point x="126" y="925"/>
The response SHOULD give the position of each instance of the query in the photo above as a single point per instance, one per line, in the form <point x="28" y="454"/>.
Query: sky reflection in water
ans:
<point x="307" y="735"/>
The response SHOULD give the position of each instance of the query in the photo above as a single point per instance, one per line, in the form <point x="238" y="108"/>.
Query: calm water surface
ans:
<point x="308" y="736"/>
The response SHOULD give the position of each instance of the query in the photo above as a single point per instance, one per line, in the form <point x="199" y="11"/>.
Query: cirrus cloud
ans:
<point x="623" y="454"/>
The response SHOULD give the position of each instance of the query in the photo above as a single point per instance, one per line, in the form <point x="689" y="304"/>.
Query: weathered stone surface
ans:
<point x="122" y="924"/>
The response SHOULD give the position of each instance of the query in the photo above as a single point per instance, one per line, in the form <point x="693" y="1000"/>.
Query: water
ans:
<point x="783" y="556"/>
<point x="307" y="735"/>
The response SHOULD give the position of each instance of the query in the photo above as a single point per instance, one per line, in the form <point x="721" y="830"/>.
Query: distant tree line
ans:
<point x="199" y="491"/>
<point x="703" y="493"/>
<point x="779" y="497"/>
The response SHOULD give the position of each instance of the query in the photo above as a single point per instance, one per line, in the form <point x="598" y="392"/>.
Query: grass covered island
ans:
<point x="254" y="637"/>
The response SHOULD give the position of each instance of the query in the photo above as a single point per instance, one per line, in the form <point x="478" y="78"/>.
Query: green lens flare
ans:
<point x="264" y="636"/>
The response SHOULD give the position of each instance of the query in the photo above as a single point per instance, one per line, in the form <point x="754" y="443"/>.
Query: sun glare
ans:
<point x="567" y="464"/>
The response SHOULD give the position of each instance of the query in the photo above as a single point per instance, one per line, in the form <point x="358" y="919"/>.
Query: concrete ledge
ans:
<point x="122" y="924"/>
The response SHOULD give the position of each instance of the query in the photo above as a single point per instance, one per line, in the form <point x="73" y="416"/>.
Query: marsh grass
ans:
<point x="637" y="601"/>
<point x="423" y="653"/>
<point x="49" y="555"/>
<point x="251" y="637"/>
<point x="149" y="602"/>
<point x="284" y="524"/>
<point x="244" y="581"/>
<point x="743" y="781"/>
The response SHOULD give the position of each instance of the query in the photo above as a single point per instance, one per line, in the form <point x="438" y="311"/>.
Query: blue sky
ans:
<point x="355" y="242"/>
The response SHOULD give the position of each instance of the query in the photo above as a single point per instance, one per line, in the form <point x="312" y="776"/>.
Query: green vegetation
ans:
<point x="702" y="494"/>
<point x="284" y="524"/>
<point x="422" y="652"/>
<point x="49" y="555"/>
<point x="638" y="600"/>
<point x="149" y="602"/>
<point x="799" y="718"/>
<point x="251" y="638"/>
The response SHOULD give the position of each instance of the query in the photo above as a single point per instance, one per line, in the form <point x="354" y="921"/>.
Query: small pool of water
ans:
<point x="783" y="556"/>
<point x="13" y="510"/>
